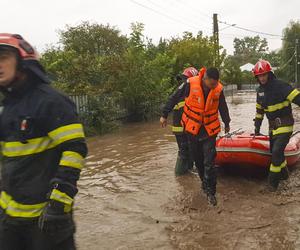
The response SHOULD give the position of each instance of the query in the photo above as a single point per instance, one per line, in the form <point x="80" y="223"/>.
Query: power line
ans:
<point x="235" y="25"/>
<point x="242" y="35"/>
<point x="178" y="14"/>
<point x="250" y="30"/>
<point x="282" y="67"/>
<point x="270" y="35"/>
<point x="163" y="14"/>
<point x="187" y="19"/>
<point x="195" y="10"/>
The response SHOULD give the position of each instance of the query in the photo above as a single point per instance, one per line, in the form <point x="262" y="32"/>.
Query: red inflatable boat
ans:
<point x="243" y="149"/>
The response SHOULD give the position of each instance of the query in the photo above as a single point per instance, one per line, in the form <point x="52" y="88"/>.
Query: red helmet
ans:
<point x="261" y="67"/>
<point x="25" y="50"/>
<point x="190" y="72"/>
<point x="29" y="57"/>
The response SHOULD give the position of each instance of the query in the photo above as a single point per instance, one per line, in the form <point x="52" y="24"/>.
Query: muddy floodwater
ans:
<point x="129" y="197"/>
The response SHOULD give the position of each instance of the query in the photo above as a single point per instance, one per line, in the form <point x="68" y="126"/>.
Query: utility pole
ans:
<point x="296" y="63"/>
<point x="216" y="40"/>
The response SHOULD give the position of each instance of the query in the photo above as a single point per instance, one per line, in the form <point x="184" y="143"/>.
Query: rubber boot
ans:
<point x="204" y="187"/>
<point x="284" y="173"/>
<point x="182" y="166"/>
<point x="191" y="164"/>
<point x="211" y="199"/>
<point x="273" y="181"/>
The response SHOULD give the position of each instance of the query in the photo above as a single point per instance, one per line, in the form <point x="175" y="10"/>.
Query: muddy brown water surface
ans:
<point x="129" y="197"/>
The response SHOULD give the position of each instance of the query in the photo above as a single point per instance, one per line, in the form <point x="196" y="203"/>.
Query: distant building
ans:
<point x="247" y="67"/>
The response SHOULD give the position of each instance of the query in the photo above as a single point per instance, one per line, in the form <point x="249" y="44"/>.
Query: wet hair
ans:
<point x="213" y="73"/>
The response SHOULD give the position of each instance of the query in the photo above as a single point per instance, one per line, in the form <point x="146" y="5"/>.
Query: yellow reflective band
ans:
<point x="282" y="130"/>
<point x="177" y="129"/>
<point x="179" y="105"/>
<point x="66" y="133"/>
<point x="259" y="106"/>
<point x="32" y="146"/>
<point x="72" y="159"/>
<point x="293" y="94"/>
<point x="277" y="169"/>
<point x="259" y="116"/>
<point x="41" y="144"/>
<point x="61" y="197"/>
<point x="278" y="106"/>
<point x="15" y="209"/>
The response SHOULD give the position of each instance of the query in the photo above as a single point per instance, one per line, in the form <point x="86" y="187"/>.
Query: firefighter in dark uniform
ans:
<point x="274" y="98"/>
<point x="176" y="103"/>
<point x="204" y="100"/>
<point x="43" y="149"/>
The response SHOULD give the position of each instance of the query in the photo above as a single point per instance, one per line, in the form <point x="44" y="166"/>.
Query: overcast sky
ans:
<point x="39" y="21"/>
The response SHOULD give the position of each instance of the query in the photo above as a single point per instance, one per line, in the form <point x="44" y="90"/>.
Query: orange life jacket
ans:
<point x="198" y="112"/>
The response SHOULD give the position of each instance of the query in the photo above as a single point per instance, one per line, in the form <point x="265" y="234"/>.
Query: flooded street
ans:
<point x="129" y="197"/>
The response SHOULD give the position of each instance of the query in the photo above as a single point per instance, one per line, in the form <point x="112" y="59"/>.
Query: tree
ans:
<point x="145" y="77"/>
<point x="196" y="51"/>
<point x="290" y="34"/>
<point x="87" y="59"/>
<point x="94" y="39"/>
<point x="231" y="72"/>
<point x="250" y="49"/>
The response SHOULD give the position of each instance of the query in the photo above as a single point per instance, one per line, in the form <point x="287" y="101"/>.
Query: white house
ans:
<point x="247" y="67"/>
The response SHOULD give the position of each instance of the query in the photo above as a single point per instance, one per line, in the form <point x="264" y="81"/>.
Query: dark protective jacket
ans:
<point x="43" y="149"/>
<point x="274" y="99"/>
<point x="183" y="91"/>
<point x="175" y="103"/>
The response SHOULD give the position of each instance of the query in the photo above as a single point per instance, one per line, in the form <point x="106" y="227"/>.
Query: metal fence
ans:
<point x="229" y="90"/>
<point x="81" y="102"/>
<point x="83" y="105"/>
<point x="249" y="86"/>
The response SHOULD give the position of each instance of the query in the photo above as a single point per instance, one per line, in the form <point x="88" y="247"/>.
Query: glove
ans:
<point x="257" y="131"/>
<point x="54" y="217"/>
<point x="163" y="121"/>
<point x="227" y="129"/>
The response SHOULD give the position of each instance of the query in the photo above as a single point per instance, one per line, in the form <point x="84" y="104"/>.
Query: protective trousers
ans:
<point x="278" y="166"/>
<point x="184" y="161"/>
<point x="16" y="234"/>
<point x="204" y="154"/>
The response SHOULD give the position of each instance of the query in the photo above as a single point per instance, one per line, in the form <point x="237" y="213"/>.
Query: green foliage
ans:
<point x="290" y="34"/>
<point x="231" y="73"/>
<point x="96" y="60"/>
<point x="88" y="59"/>
<point x="193" y="51"/>
<point x="246" y="50"/>
<point x="93" y="39"/>
<point x="101" y="115"/>
<point x="131" y="76"/>
<point x="250" y="49"/>
<point x="144" y="78"/>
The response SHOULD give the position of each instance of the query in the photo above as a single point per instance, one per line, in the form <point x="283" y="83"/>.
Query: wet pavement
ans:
<point x="129" y="197"/>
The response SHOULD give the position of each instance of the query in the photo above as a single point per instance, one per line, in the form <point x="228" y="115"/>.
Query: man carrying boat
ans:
<point x="176" y="103"/>
<point x="204" y="99"/>
<point x="274" y="98"/>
